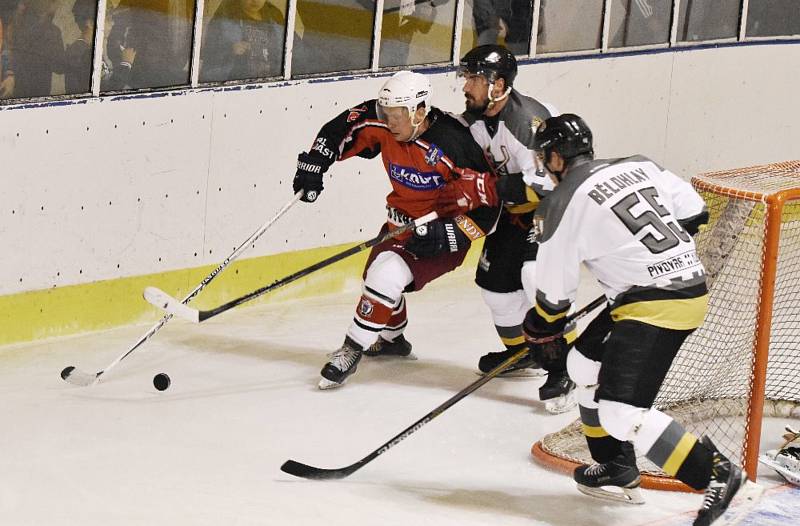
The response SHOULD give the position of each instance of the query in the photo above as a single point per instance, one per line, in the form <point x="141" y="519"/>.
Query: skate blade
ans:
<point x="519" y="373"/>
<point x="561" y="404"/>
<point x="783" y="471"/>
<point x="325" y="384"/>
<point x="625" y="495"/>
<point x="409" y="356"/>
<point x="742" y="504"/>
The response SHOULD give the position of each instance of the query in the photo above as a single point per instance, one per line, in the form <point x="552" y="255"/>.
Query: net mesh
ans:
<point x="709" y="385"/>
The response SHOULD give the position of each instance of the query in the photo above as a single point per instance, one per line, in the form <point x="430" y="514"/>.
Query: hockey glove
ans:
<point x="436" y="238"/>
<point x="466" y="193"/>
<point x="547" y="340"/>
<point x="692" y="224"/>
<point x="308" y="178"/>
<point x="512" y="189"/>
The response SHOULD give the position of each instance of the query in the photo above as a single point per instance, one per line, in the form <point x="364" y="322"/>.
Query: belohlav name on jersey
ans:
<point x="616" y="183"/>
<point x="415" y="179"/>
<point x="680" y="263"/>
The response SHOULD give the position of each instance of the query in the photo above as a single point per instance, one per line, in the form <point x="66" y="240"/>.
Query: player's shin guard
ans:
<point x="391" y="341"/>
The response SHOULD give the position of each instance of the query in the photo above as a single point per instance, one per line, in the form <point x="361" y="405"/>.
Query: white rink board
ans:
<point x="177" y="180"/>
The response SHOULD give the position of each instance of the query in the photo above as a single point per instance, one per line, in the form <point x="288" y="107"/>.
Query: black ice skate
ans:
<point x="343" y="362"/>
<point x="727" y="480"/>
<point x="527" y="367"/>
<point x="397" y="347"/>
<point x="620" y="473"/>
<point x="558" y="393"/>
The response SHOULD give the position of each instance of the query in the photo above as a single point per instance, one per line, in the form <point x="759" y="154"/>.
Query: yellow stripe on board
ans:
<point x="679" y="454"/>
<point x="105" y="304"/>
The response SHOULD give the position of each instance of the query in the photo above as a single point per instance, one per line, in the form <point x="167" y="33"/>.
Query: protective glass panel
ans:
<point x="242" y="39"/>
<point x="148" y="43"/>
<point x="703" y="20"/>
<point x="34" y="61"/>
<point x="570" y="25"/>
<point x="767" y="18"/>
<point x="416" y="32"/>
<point x="639" y="22"/>
<point x="332" y="35"/>
<point x="506" y="22"/>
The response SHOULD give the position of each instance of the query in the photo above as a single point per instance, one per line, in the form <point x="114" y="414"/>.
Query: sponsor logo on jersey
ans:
<point x="467" y="226"/>
<point x="536" y="122"/>
<point x="677" y="264"/>
<point x="433" y="155"/>
<point x="321" y="146"/>
<point x="355" y="113"/>
<point x="414" y="179"/>
<point x="365" y="308"/>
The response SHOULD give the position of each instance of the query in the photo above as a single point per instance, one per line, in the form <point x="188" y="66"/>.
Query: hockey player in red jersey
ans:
<point x="422" y="149"/>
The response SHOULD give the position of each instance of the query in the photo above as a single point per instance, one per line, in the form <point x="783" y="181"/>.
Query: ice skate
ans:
<point x="558" y="393"/>
<point x="620" y="473"/>
<point x="527" y="367"/>
<point x="398" y="347"/>
<point x="727" y="481"/>
<point x="343" y="363"/>
<point x="786" y="459"/>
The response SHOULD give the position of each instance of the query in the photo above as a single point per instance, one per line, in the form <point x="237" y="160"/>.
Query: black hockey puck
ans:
<point x="66" y="372"/>
<point x="161" y="381"/>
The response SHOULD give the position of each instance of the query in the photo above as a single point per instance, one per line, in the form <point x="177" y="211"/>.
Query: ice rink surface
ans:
<point x="244" y="399"/>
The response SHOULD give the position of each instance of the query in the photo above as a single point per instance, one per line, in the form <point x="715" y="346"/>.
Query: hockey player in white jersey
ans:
<point x="629" y="222"/>
<point x="503" y="122"/>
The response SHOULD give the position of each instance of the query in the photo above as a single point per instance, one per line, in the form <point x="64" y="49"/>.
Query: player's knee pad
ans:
<point x="582" y="370"/>
<point x="388" y="275"/>
<point x="528" y="277"/>
<point x="620" y="420"/>
<point x="508" y="308"/>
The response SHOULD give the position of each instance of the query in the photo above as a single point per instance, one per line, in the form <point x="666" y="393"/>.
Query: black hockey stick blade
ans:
<point x="298" y="469"/>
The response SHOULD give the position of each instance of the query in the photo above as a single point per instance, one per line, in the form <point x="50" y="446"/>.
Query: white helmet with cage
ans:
<point x="406" y="89"/>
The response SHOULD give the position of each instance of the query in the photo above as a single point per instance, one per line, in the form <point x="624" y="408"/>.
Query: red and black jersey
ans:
<point x="418" y="169"/>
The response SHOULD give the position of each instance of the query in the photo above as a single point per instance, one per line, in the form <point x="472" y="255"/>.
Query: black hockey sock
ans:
<point x="512" y="337"/>
<point x="603" y="447"/>
<point x="695" y="471"/>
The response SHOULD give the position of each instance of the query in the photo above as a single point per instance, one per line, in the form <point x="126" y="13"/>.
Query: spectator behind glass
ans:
<point x="37" y="49"/>
<point x="117" y="63"/>
<point x="509" y="21"/>
<point x="7" y="9"/>
<point x="160" y="32"/>
<point x="243" y="41"/>
<point x="78" y="74"/>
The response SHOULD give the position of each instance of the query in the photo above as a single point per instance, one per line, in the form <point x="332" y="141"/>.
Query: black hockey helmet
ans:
<point x="491" y="61"/>
<point x="567" y="134"/>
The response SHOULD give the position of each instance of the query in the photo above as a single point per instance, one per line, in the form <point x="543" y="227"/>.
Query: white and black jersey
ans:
<point x="621" y="219"/>
<point x="507" y="139"/>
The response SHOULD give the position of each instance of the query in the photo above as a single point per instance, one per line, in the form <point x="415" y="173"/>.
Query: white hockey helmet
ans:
<point x="406" y="89"/>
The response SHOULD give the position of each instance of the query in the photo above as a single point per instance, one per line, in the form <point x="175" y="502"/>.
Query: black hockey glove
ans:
<point x="512" y="189"/>
<point x="308" y="178"/>
<point x="547" y="340"/>
<point x="436" y="238"/>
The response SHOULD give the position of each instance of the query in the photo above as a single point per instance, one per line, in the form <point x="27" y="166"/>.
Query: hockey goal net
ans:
<point x="743" y="363"/>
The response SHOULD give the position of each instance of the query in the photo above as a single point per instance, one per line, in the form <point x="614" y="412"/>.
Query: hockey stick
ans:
<point x="77" y="377"/>
<point x="162" y="300"/>
<point x="299" y="469"/>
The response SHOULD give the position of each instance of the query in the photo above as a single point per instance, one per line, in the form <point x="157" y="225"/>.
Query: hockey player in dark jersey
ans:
<point x="422" y="150"/>
<point x="503" y="121"/>
<point x="623" y="219"/>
